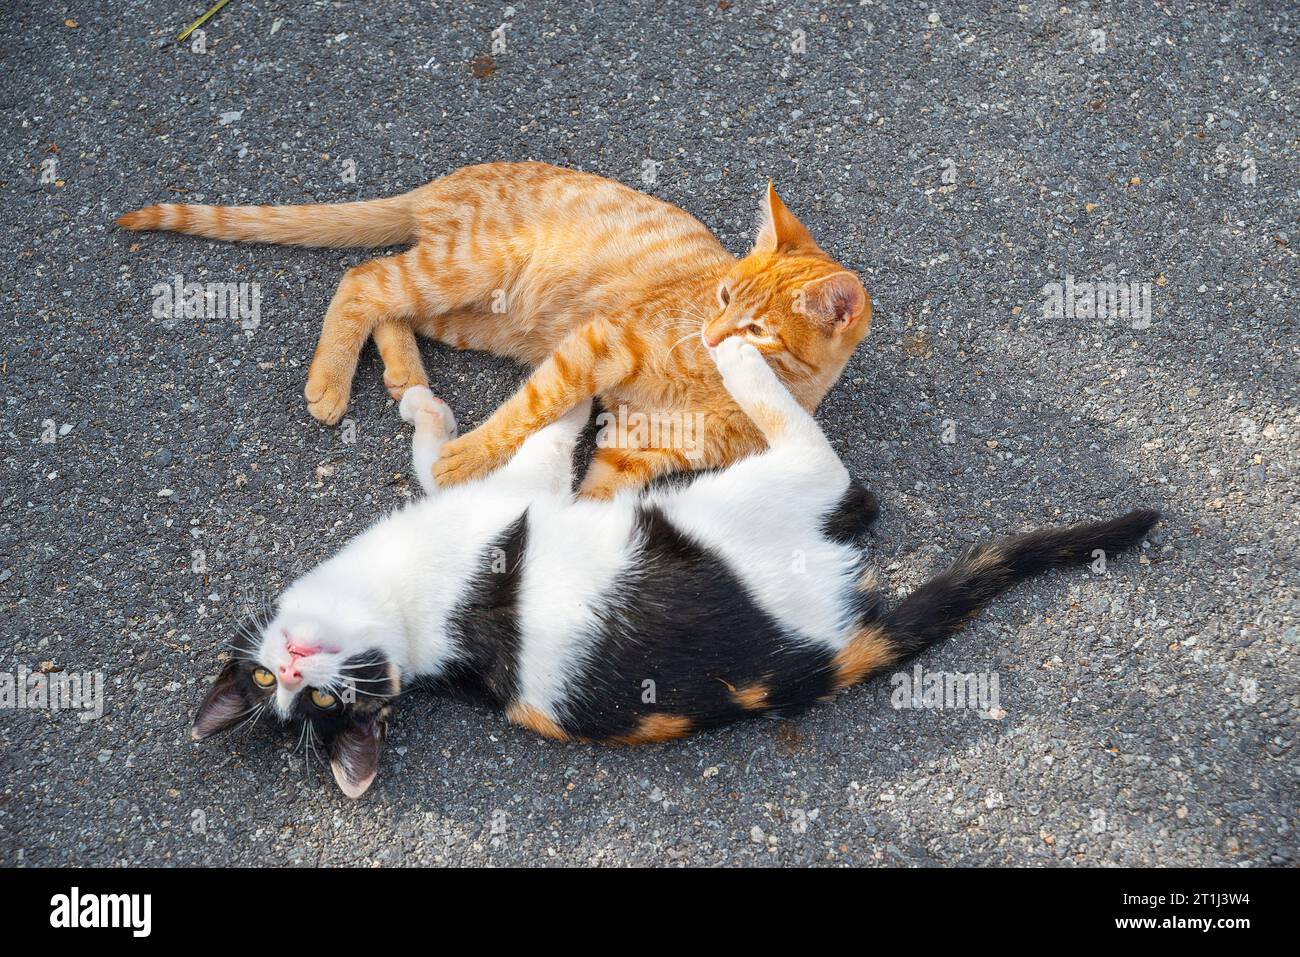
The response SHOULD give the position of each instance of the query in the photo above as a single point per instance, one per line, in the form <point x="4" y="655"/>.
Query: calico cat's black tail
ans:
<point x="945" y="603"/>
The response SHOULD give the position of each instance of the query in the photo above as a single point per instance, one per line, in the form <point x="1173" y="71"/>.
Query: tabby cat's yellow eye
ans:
<point x="724" y="294"/>
<point x="263" y="677"/>
<point x="322" y="699"/>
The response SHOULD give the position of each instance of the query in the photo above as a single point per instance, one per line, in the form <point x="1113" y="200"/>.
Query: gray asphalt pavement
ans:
<point x="160" y="473"/>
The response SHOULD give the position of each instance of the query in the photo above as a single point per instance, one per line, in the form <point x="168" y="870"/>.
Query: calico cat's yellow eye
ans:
<point x="263" y="677"/>
<point x="322" y="699"/>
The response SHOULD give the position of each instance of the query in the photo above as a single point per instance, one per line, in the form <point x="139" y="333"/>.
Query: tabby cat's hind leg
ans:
<point x="369" y="294"/>
<point x="614" y="469"/>
<point x="400" y="353"/>
<point x="394" y="289"/>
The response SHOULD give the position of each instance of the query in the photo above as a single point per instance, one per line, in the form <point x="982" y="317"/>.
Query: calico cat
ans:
<point x="603" y="290"/>
<point x="644" y="618"/>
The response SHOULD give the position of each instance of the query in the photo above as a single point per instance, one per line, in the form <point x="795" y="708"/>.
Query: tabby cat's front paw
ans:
<point x="465" y="459"/>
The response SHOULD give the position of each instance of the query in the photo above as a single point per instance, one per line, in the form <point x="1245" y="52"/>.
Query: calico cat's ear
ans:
<point x="778" y="230"/>
<point x="836" y="301"/>
<point x="354" y="754"/>
<point x="223" y="705"/>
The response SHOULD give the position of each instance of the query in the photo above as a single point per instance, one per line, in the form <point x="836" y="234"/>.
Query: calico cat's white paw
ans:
<point x="415" y="400"/>
<point x="418" y="402"/>
<point x="744" y="370"/>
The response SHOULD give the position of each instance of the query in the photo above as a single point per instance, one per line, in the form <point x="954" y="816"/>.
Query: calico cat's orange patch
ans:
<point x="526" y="716"/>
<point x="771" y="422"/>
<point x="656" y="727"/>
<point x="752" y="697"/>
<point x="868" y="650"/>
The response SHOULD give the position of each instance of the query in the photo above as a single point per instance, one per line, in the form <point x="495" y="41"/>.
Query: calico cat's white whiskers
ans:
<point x="250" y="718"/>
<point x="256" y="717"/>
<point x="311" y="746"/>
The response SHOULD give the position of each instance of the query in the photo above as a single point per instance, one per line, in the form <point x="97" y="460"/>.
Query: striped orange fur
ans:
<point x="603" y="290"/>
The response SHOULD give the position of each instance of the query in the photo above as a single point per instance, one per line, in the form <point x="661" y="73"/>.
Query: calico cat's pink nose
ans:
<point x="290" y="675"/>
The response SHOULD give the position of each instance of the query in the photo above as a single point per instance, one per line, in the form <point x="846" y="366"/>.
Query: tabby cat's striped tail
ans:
<point x="943" y="604"/>
<point x="377" y="222"/>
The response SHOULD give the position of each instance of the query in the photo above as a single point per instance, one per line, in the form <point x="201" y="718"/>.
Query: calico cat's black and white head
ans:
<point x="314" y="662"/>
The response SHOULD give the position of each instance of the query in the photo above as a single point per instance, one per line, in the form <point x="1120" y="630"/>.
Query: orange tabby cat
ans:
<point x="605" y="291"/>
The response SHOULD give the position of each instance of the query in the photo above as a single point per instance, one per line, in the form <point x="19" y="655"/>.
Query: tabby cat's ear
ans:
<point x="837" y="300"/>
<point x="354" y="754"/>
<point x="222" y="706"/>
<point x="778" y="230"/>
